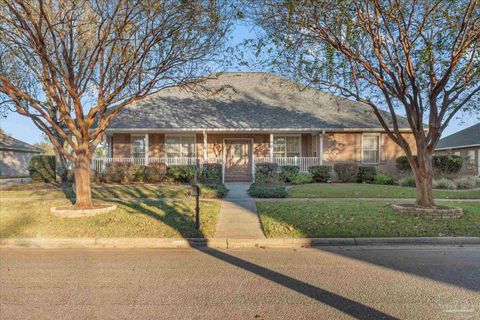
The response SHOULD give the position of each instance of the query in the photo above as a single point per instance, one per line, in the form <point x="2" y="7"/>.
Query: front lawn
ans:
<point x="133" y="218"/>
<point x="349" y="218"/>
<point x="43" y="191"/>
<point x="358" y="190"/>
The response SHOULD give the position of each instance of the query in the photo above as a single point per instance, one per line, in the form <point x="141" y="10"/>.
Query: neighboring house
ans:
<point x="240" y="119"/>
<point x="465" y="143"/>
<point x="15" y="156"/>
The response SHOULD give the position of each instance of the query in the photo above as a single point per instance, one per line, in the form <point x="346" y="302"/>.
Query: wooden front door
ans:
<point x="238" y="160"/>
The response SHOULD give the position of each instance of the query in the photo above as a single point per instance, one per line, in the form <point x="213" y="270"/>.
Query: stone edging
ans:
<point x="76" y="213"/>
<point x="223" y="243"/>
<point x="431" y="213"/>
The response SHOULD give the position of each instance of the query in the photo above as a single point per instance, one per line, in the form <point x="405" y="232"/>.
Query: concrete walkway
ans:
<point x="238" y="215"/>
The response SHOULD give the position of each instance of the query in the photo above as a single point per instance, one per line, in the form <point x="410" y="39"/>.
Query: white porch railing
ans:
<point x="302" y="162"/>
<point x="99" y="164"/>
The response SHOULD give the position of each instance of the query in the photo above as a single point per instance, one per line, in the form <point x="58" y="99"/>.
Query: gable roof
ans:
<point x="250" y="101"/>
<point x="9" y="143"/>
<point x="463" y="138"/>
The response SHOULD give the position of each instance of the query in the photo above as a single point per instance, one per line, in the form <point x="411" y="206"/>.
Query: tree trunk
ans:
<point x="423" y="172"/>
<point x="82" y="181"/>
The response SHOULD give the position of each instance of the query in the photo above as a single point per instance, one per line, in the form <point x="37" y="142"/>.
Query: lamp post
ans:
<point x="195" y="191"/>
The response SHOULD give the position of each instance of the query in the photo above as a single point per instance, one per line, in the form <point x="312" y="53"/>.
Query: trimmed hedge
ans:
<point x="287" y="173"/>
<point x="213" y="190"/>
<point x="212" y="173"/>
<point x="119" y="172"/>
<point x="366" y="174"/>
<point x="447" y="164"/>
<point x="383" y="178"/>
<point x="181" y="173"/>
<point x="320" y="173"/>
<point x="267" y="191"/>
<point x="266" y="173"/>
<point x="346" y="172"/>
<point x="42" y="168"/>
<point x="302" y="178"/>
<point x="155" y="172"/>
<point x="443" y="164"/>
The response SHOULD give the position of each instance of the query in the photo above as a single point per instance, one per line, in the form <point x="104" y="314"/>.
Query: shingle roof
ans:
<point x="242" y="100"/>
<point x="10" y="143"/>
<point x="466" y="137"/>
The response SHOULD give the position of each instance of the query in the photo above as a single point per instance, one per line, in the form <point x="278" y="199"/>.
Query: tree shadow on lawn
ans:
<point x="461" y="271"/>
<point x="179" y="217"/>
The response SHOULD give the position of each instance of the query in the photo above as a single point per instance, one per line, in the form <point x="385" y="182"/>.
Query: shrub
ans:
<point x="402" y="164"/>
<point x="119" y="172"/>
<point x="302" y="178"/>
<point x="444" y="184"/>
<point x="267" y="191"/>
<point x="181" y="173"/>
<point x="444" y="164"/>
<point x="266" y="173"/>
<point x="468" y="182"/>
<point x="383" y="178"/>
<point x="287" y="173"/>
<point x="140" y="173"/>
<point x="42" y="168"/>
<point x="320" y="173"/>
<point x="212" y="173"/>
<point x="213" y="190"/>
<point x="346" y="172"/>
<point x="155" y="172"/>
<point x="407" y="181"/>
<point x="366" y="174"/>
<point x="447" y="164"/>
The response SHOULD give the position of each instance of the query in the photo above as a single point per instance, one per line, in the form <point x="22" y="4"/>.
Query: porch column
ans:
<point x="205" y="147"/>
<point x="271" y="147"/>
<point x="321" y="147"/>
<point x="146" y="148"/>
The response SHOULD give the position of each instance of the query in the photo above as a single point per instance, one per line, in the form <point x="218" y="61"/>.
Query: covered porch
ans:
<point x="237" y="152"/>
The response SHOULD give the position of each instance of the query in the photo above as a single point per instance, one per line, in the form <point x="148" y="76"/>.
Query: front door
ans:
<point x="238" y="154"/>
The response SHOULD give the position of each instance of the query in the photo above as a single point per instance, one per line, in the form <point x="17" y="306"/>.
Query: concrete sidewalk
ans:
<point x="238" y="215"/>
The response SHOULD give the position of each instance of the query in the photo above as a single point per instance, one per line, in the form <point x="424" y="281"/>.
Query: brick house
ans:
<point x="464" y="143"/>
<point x="243" y="118"/>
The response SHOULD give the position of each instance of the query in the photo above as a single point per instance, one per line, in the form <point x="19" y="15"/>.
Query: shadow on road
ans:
<point x="345" y="305"/>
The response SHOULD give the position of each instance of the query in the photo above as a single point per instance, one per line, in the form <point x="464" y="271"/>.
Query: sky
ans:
<point x="23" y="128"/>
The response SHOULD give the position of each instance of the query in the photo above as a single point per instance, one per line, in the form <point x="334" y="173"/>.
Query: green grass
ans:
<point x="42" y="191"/>
<point x="348" y="218"/>
<point x="132" y="218"/>
<point x="358" y="190"/>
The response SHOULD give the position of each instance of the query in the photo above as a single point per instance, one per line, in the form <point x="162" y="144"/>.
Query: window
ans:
<point x="370" y="149"/>
<point x="180" y="146"/>
<point x="138" y="146"/>
<point x="286" y="146"/>
<point x="471" y="157"/>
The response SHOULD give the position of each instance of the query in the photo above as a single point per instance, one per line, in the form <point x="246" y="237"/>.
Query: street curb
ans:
<point x="223" y="243"/>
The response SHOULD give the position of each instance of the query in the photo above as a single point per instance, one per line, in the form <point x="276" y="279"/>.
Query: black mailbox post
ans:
<point x="195" y="191"/>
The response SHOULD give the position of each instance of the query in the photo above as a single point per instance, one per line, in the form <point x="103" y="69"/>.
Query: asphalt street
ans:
<point x="423" y="282"/>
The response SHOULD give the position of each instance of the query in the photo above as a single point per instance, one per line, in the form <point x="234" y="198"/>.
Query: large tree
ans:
<point x="71" y="66"/>
<point x="418" y="58"/>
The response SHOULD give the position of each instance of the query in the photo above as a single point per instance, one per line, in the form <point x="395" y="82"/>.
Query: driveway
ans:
<point x="323" y="283"/>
